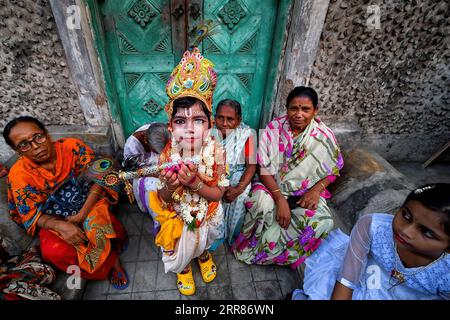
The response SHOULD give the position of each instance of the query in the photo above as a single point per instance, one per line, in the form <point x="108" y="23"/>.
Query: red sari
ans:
<point x="29" y="187"/>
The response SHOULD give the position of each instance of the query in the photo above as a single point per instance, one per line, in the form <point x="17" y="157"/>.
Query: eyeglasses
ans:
<point x="38" y="138"/>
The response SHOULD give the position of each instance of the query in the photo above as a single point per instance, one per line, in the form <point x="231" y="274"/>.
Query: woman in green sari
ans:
<point x="287" y="214"/>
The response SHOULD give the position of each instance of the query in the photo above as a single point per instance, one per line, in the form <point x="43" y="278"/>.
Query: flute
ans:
<point x="153" y="171"/>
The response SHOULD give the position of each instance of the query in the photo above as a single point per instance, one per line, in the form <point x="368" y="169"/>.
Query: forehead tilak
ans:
<point x="189" y="113"/>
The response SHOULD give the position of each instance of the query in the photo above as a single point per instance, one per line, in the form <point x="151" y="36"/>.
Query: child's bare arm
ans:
<point x="170" y="179"/>
<point x="341" y="292"/>
<point x="207" y="192"/>
<point x="355" y="260"/>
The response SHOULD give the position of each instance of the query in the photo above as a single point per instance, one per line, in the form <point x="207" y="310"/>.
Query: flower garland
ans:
<point x="192" y="207"/>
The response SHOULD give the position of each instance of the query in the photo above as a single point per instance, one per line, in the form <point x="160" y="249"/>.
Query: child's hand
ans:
<point x="187" y="174"/>
<point x="170" y="177"/>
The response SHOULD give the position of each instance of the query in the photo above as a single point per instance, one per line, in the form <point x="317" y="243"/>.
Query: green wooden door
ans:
<point x="145" y="39"/>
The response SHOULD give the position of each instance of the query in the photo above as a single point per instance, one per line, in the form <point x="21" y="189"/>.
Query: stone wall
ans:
<point x="392" y="82"/>
<point x="34" y="77"/>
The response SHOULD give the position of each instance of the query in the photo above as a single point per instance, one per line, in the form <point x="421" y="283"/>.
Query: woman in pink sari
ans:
<point x="287" y="214"/>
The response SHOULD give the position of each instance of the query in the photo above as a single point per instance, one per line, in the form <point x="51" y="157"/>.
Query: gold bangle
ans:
<point x="176" y="197"/>
<point x="321" y="183"/>
<point x="274" y="190"/>
<point x="199" y="186"/>
<point x="168" y="189"/>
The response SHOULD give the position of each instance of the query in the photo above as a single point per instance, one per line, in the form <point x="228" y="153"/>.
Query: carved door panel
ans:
<point x="240" y="47"/>
<point x="143" y="46"/>
<point x="145" y="39"/>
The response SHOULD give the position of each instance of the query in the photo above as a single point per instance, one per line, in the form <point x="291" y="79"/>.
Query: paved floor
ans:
<point x="235" y="280"/>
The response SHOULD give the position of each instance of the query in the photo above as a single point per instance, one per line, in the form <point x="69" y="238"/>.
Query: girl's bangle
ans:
<point x="199" y="186"/>
<point x="176" y="197"/>
<point x="273" y="191"/>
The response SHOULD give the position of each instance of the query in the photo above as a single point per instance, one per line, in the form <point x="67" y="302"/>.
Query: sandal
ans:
<point x="185" y="283"/>
<point x="115" y="274"/>
<point x="208" y="269"/>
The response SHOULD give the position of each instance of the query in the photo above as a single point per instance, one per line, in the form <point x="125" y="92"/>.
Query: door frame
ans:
<point x="278" y="44"/>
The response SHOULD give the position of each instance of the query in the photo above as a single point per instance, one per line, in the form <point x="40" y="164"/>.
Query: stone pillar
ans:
<point x="307" y="20"/>
<point x="75" y="33"/>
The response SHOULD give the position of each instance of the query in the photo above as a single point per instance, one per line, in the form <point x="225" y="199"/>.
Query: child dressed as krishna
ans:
<point x="187" y="202"/>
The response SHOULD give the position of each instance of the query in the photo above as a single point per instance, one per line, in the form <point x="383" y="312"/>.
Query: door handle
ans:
<point x="195" y="11"/>
<point x="178" y="12"/>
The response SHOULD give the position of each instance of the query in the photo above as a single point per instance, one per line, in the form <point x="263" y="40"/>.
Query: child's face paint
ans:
<point x="189" y="126"/>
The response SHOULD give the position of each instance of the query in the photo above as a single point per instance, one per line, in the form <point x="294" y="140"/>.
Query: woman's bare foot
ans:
<point x="118" y="276"/>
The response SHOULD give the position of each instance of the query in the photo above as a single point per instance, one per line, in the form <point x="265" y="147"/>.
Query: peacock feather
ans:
<point x="199" y="32"/>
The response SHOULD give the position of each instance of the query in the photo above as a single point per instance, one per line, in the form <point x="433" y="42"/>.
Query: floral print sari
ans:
<point x="297" y="164"/>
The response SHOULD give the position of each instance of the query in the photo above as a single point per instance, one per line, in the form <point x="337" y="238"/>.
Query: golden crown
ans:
<point x="192" y="77"/>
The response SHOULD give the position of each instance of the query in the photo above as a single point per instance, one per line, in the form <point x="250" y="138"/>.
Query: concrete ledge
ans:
<point x="392" y="147"/>
<point x="8" y="227"/>
<point x="98" y="138"/>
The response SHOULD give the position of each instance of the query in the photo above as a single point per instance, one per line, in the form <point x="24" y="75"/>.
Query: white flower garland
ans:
<point x="191" y="202"/>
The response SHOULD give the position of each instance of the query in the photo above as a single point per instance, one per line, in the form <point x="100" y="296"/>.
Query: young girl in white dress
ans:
<point x="387" y="257"/>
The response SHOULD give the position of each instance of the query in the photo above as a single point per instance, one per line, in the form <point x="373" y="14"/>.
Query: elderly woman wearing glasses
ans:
<point x="72" y="219"/>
